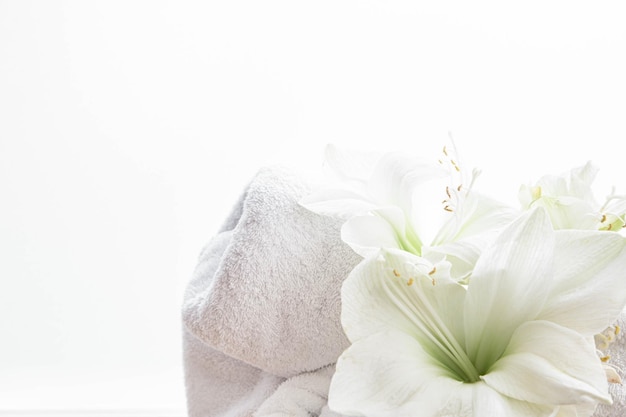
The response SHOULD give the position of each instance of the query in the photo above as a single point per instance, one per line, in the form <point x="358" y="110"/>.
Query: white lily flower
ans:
<point x="571" y="204"/>
<point x="391" y="201"/>
<point x="378" y="192"/>
<point x="570" y="201"/>
<point x="516" y="342"/>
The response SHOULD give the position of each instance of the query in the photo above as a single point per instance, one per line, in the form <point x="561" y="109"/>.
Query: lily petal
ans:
<point x="568" y="212"/>
<point x="409" y="240"/>
<point x="581" y="179"/>
<point x="583" y="410"/>
<point x="568" y="198"/>
<point x="616" y="205"/>
<point x="462" y="256"/>
<point x="410" y="184"/>
<point x="389" y="374"/>
<point x="589" y="289"/>
<point x="403" y="292"/>
<point x="549" y="364"/>
<point x="508" y="286"/>
<point x="476" y="215"/>
<point x="366" y="235"/>
<point x="397" y="176"/>
<point x="480" y="400"/>
<point x="342" y="203"/>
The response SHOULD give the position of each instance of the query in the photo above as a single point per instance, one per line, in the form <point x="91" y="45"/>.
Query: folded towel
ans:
<point x="261" y="313"/>
<point x="263" y="306"/>
<point x="303" y="395"/>
<point x="218" y="385"/>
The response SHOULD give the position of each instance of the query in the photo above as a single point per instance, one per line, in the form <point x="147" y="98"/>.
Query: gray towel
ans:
<point x="263" y="306"/>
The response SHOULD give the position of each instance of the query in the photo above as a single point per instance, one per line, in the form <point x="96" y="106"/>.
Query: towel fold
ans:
<point x="301" y="396"/>
<point x="263" y="305"/>
<point x="262" y="312"/>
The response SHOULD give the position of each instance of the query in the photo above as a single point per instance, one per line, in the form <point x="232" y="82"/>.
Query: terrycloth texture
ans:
<point x="263" y="307"/>
<point x="301" y="396"/>
<point x="218" y="385"/>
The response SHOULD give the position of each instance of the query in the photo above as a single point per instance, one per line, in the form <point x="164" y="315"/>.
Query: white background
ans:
<point x="129" y="128"/>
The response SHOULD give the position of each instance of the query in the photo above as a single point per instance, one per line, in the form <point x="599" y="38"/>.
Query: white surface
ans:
<point x="128" y="129"/>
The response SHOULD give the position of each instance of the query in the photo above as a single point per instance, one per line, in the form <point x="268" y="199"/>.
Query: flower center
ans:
<point x="431" y="330"/>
